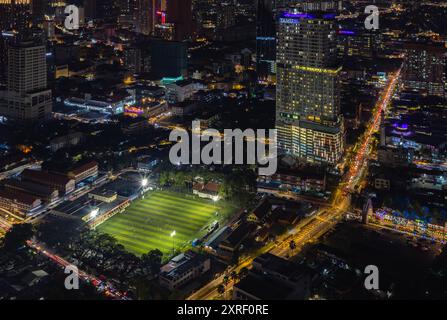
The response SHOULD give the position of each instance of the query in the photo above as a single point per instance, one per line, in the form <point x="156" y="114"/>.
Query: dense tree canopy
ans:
<point x="17" y="236"/>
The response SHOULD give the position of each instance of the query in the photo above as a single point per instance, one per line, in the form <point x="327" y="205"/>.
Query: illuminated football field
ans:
<point x="148" y="223"/>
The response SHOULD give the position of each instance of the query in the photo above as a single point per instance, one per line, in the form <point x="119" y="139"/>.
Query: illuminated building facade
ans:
<point x="126" y="11"/>
<point x="308" y="119"/>
<point x="137" y="59"/>
<point x="356" y="42"/>
<point x="425" y="68"/>
<point x="166" y="31"/>
<point x="90" y="9"/>
<point x="226" y="16"/>
<point x="7" y="38"/>
<point x="38" y="9"/>
<point x="107" y="11"/>
<point x="265" y="39"/>
<point x="15" y="15"/>
<point x="27" y="97"/>
<point x="169" y="59"/>
<point x="146" y="15"/>
<point x="179" y="14"/>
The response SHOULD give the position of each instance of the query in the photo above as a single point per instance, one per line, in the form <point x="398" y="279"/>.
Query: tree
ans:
<point x="243" y="273"/>
<point x="221" y="289"/>
<point x="239" y="186"/>
<point x="105" y="241"/>
<point x="225" y="280"/>
<point x="163" y="178"/>
<point x="18" y="235"/>
<point x="292" y="245"/>
<point x="152" y="260"/>
<point x="59" y="231"/>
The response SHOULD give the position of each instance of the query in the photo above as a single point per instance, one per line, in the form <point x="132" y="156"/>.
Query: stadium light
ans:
<point x="144" y="182"/>
<point x="173" y="242"/>
<point x="94" y="212"/>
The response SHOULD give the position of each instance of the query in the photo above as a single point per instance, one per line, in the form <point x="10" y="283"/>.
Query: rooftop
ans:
<point x="240" y="233"/>
<point x="264" y="289"/>
<point x="18" y="196"/>
<point x="87" y="166"/>
<point x="182" y="263"/>
<point x="45" y="176"/>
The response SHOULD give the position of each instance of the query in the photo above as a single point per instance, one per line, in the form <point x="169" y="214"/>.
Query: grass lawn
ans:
<point x="148" y="223"/>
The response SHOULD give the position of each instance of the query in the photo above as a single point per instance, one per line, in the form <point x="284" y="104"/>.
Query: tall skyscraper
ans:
<point x="144" y="16"/>
<point x="27" y="97"/>
<point x="357" y="41"/>
<point x="265" y="38"/>
<point x="164" y="31"/>
<point x="314" y="5"/>
<point x="425" y="68"/>
<point x="15" y="15"/>
<point x="168" y="59"/>
<point x="308" y="118"/>
<point x="90" y="9"/>
<point x="148" y="13"/>
<point x="126" y="11"/>
<point x="226" y="16"/>
<point x="38" y="8"/>
<point x="179" y="13"/>
<point x="7" y="38"/>
<point x="107" y="10"/>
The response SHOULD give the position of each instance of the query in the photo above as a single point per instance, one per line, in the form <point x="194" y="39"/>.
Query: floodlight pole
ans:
<point x="173" y="242"/>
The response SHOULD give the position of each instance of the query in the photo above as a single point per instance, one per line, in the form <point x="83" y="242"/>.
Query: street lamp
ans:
<point x="94" y="213"/>
<point x="173" y="241"/>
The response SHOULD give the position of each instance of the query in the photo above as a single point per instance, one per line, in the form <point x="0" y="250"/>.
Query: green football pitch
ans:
<point x="148" y="223"/>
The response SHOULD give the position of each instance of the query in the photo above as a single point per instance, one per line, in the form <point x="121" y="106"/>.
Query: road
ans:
<point x="104" y="287"/>
<point x="310" y="229"/>
<point x="16" y="171"/>
<point x="364" y="150"/>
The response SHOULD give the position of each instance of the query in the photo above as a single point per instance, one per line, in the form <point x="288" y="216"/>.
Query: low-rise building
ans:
<point x="259" y="287"/>
<point x="84" y="171"/>
<point x="283" y="270"/>
<point x="185" y="108"/>
<point x="261" y="212"/>
<point x="134" y="125"/>
<point x="18" y="202"/>
<point x="65" y="141"/>
<point x="103" y="195"/>
<point x="184" y="268"/>
<point x="46" y="193"/>
<point x="147" y="163"/>
<point x="229" y="247"/>
<point x="62" y="183"/>
<point x="110" y="105"/>
<point x="209" y="190"/>
<point x="297" y="181"/>
<point x="395" y="156"/>
<point x="92" y="209"/>
<point x="182" y="90"/>
<point x="382" y="184"/>
<point x="430" y="181"/>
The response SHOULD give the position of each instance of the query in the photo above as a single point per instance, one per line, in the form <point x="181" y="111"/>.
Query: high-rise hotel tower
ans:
<point x="308" y="118"/>
<point x="27" y="97"/>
